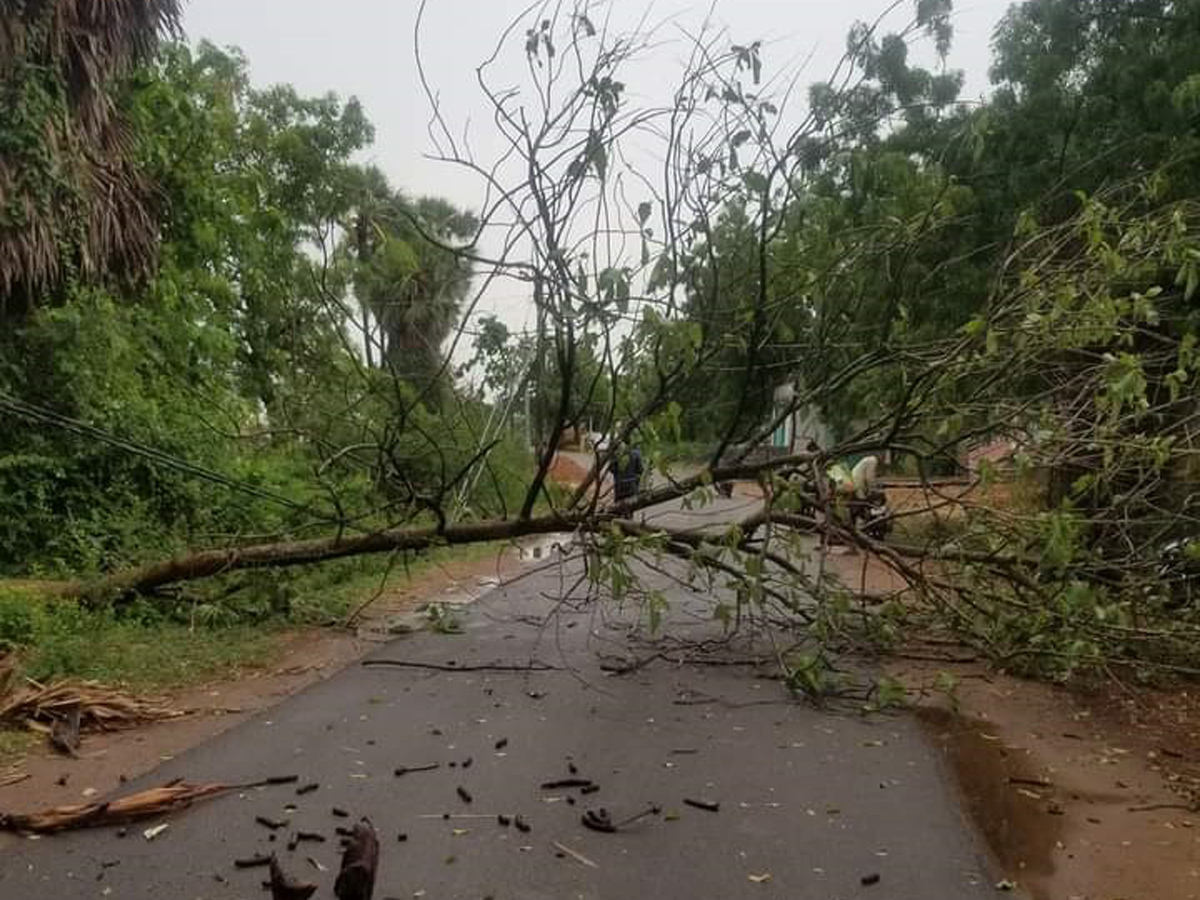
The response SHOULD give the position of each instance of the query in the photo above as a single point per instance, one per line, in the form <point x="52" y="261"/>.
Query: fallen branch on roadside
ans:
<point x="143" y="805"/>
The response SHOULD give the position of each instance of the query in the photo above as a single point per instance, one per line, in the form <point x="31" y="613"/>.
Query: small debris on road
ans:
<point x="760" y="879"/>
<point x="567" y="783"/>
<point x="151" y="833"/>
<point x="285" y="888"/>
<point x="708" y="805"/>
<point x="360" y="862"/>
<point x="502" y="743"/>
<point x="340" y="813"/>
<point x="574" y="854"/>
<point x="273" y="824"/>
<point x="424" y="767"/>
<point x="464" y="794"/>
<point x="871" y="879"/>
<point x="307" y="788"/>
<point x="252" y="862"/>
<point x="522" y="826"/>
<point x="598" y="820"/>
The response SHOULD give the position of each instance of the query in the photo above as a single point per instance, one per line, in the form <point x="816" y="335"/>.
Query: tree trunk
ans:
<point x="206" y="563"/>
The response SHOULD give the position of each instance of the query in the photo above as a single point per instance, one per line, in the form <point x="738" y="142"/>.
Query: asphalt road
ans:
<point x="812" y="804"/>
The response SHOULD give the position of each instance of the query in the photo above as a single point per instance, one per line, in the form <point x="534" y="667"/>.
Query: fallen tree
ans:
<point x="750" y="264"/>
<point x="209" y="563"/>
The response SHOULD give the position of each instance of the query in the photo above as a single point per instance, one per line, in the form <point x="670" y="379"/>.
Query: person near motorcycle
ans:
<point x="863" y="502"/>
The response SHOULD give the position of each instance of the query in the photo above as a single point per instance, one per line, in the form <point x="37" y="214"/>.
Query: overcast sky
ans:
<point x="365" y="48"/>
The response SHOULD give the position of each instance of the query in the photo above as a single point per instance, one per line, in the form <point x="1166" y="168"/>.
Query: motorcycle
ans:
<point x="1178" y="569"/>
<point x="872" y="515"/>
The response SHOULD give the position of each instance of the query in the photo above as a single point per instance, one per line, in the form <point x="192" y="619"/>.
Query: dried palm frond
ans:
<point x="144" y="805"/>
<point x="148" y="804"/>
<point x="100" y="708"/>
<point x="70" y="199"/>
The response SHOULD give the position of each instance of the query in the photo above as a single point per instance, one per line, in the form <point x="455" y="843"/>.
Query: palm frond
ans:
<point x="71" y="200"/>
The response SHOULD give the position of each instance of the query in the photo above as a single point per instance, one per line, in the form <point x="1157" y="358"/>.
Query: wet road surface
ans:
<point x="811" y="804"/>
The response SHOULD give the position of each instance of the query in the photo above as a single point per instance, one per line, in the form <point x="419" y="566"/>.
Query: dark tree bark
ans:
<point x="285" y="888"/>
<point x="360" y="862"/>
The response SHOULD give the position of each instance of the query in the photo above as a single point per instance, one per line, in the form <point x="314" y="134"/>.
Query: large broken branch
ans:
<point x="208" y="563"/>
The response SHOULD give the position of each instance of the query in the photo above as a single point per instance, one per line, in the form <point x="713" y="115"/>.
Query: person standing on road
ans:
<point x="626" y="468"/>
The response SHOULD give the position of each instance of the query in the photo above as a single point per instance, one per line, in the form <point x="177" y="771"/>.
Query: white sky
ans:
<point x="365" y="48"/>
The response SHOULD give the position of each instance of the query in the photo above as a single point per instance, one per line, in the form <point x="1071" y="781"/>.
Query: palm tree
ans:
<point x="71" y="201"/>
<point x="407" y="278"/>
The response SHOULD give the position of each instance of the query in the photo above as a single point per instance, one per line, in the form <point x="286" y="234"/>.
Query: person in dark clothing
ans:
<point x="626" y="469"/>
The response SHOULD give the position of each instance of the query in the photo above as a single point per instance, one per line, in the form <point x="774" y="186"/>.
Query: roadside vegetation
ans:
<point x="242" y="373"/>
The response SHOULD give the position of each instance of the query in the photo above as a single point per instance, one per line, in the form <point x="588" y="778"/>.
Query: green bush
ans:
<point x="137" y="645"/>
<point x="17" y="626"/>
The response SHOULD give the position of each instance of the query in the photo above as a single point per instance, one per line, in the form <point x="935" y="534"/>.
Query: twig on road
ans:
<point x="1153" y="807"/>
<point x="424" y="767"/>
<point x="574" y="854"/>
<point x="533" y="666"/>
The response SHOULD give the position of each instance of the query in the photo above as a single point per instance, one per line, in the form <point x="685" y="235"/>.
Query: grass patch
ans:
<point x="61" y="639"/>
<point x="16" y="743"/>
<point x="213" y="629"/>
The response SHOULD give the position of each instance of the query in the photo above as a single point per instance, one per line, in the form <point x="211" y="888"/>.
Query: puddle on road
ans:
<point x="1002" y="794"/>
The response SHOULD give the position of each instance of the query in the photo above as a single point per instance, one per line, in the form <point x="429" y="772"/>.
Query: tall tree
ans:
<point x="407" y="277"/>
<point x="72" y="202"/>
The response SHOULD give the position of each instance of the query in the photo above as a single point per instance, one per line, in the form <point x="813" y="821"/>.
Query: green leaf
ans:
<point x="755" y="181"/>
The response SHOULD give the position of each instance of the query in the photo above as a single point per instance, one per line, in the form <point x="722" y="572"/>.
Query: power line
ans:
<point x="47" y="416"/>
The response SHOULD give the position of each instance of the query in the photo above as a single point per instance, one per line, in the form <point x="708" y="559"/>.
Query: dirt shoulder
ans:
<point x="1087" y="793"/>
<point x="299" y="658"/>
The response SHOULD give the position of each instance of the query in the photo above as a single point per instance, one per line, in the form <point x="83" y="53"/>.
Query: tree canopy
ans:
<point x="921" y="273"/>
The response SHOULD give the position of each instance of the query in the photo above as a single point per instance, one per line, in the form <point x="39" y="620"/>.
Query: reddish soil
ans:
<point x="567" y="471"/>
<point x="1087" y="795"/>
